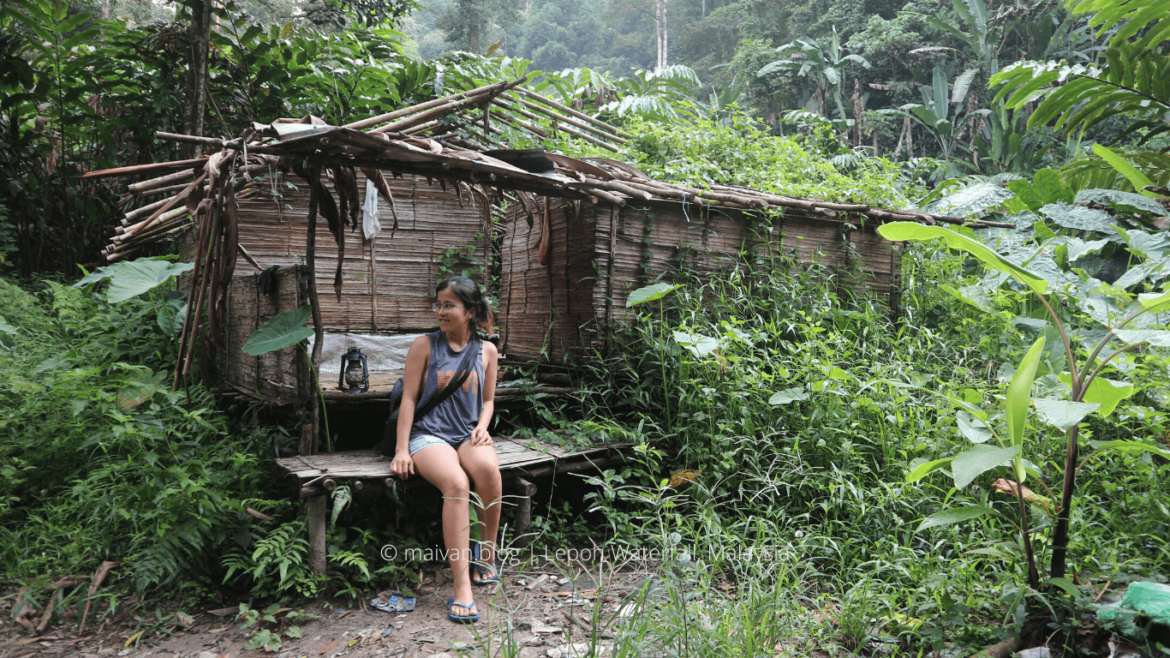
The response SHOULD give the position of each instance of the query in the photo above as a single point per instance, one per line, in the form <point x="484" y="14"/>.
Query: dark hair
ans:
<point x="468" y="292"/>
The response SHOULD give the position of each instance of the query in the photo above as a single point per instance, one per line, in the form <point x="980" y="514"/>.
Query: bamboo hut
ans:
<point x="574" y="245"/>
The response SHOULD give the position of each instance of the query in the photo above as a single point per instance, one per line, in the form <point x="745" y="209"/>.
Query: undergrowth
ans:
<point x="804" y="406"/>
<point x="103" y="461"/>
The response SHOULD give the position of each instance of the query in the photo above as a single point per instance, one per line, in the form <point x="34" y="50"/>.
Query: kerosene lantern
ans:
<point x="355" y="372"/>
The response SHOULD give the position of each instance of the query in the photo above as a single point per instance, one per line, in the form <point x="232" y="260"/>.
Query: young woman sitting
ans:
<point x="450" y="446"/>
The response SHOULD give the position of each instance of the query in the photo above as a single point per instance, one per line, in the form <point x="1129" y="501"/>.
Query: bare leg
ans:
<point x="483" y="467"/>
<point x="439" y="464"/>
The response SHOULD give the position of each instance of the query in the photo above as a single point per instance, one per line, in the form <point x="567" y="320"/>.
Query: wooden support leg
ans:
<point x="524" y="491"/>
<point x="317" y="534"/>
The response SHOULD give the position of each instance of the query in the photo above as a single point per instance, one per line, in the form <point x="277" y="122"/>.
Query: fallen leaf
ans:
<point x="219" y="630"/>
<point x="185" y="619"/>
<point x="223" y="612"/>
<point x="132" y="638"/>
<point x="684" y="476"/>
<point x="329" y="647"/>
<point x="1008" y="487"/>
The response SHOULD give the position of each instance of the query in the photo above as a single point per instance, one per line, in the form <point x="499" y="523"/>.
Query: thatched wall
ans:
<point x="601" y="252"/>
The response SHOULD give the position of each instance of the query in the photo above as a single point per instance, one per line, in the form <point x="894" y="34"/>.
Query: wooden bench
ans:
<point x="521" y="462"/>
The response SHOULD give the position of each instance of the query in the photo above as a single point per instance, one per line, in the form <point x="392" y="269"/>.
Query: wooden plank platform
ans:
<point x="514" y="455"/>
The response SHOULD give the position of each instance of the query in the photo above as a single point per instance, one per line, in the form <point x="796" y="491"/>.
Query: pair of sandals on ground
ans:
<point x="487" y="575"/>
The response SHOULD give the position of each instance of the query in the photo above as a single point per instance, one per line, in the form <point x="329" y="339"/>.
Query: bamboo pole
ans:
<point x="169" y="204"/>
<point x="570" y="120"/>
<point x="572" y="131"/>
<point x="571" y="112"/>
<point x="130" y="232"/>
<point x="145" y="168"/>
<point x="427" y="115"/>
<point x="593" y="183"/>
<point x="449" y="107"/>
<point x="413" y="109"/>
<point x="142" y="186"/>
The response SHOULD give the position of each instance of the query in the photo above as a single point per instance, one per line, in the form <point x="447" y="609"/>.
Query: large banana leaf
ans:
<point x="901" y="231"/>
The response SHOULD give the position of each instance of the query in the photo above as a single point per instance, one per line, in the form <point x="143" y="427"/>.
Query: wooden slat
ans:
<point x="368" y="464"/>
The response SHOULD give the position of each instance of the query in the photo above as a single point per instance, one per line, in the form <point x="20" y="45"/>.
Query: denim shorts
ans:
<point x="427" y="440"/>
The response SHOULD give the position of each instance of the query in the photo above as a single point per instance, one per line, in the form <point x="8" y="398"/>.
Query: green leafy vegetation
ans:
<point x="818" y="472"/>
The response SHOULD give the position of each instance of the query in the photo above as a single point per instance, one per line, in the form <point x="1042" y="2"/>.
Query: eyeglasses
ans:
<point x="448" y="307"/>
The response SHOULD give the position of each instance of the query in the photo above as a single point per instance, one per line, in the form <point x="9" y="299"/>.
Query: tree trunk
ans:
<point x="660" y="34"/>
<point x="665" y="37"/>
<point x="657" y="34"/>
<point x="200" y="44"/>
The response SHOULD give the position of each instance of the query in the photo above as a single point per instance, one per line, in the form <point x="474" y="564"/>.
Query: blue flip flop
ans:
<point x="482" y="571"/>
<point x="464" y="619"/>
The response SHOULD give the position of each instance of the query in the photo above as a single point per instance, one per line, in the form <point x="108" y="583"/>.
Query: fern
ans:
<point x="341" y="500"/>
<point x="278" y="563"/>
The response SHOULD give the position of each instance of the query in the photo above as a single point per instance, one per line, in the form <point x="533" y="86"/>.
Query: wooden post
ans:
<point x="524" y="491"/>
<point x="317" y="534"/>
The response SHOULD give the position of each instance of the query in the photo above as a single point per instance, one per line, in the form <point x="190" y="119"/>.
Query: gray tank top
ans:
<point x="456" y="416"/>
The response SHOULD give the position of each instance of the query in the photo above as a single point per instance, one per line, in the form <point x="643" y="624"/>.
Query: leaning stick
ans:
<point x="98" y="577"/>
<point x="448" y="107"/>
<point x="558" y="126"/>
<point x="434" y="113"/>
<point x="170" y="204"/>
<point x="147" y="225"/>
<point x="136" y="188"/>
<point x="568" y="119"/>
<point x="46" y="618"/>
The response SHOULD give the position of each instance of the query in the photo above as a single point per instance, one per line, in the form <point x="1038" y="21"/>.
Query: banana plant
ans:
<point x="824" y="64"/>
<point x="935" y="113"/>
<point x="1089" y="391"/>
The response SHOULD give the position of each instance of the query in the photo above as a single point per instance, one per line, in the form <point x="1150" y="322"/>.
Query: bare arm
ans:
<point x="491" y="357"/>
<point x="412" y="380"/>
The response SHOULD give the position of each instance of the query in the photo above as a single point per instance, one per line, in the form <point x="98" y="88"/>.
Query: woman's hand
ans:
<point x="402" y="465"/>
<point x="480" y="437"/>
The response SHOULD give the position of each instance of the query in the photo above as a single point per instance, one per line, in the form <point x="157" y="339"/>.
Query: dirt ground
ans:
<point x="544" y="610"/>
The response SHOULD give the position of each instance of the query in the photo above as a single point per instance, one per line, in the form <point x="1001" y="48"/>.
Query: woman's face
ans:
<point x="454" y="315"/>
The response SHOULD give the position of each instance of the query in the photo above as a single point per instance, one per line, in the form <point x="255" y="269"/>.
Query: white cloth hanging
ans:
<point x="371" y="225"/>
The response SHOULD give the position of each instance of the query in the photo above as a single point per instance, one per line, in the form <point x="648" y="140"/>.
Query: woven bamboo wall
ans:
<point x="405" y="267"/>
<point x="558" y="293"/>
<point x="274" y="375"/>
<point x="555" y="310"/>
